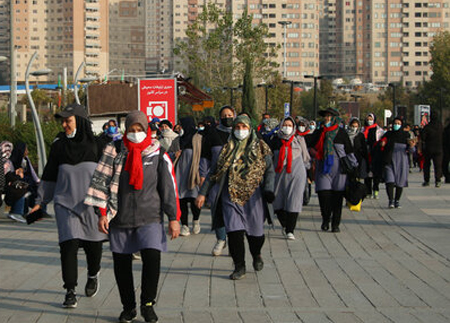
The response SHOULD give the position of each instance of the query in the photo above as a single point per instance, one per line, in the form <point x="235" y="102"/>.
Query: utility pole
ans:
<point x="13" y="73"/>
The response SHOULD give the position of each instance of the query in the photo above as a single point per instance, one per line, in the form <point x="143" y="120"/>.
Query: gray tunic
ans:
<point x="249" y="217"/>
<point x="74" y="219"/>
<point x="182" y="170"/>
<point x="334" y="180"/>
<point x="289" y="187"/>
<point x="397" y="171"/>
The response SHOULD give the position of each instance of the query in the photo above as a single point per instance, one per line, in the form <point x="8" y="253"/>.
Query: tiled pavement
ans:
<point x="384" y="266"/>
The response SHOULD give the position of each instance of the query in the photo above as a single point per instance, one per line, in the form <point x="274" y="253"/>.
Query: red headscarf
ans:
<point x="366" y="129"/>
<point x="319" y="146"/>
<point x="133" y="164"/>
<point x="282" y="155"/>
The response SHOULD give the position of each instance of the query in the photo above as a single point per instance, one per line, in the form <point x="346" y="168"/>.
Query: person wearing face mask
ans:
<point x="304" y="131"/>
<point x="133" y="188"/>
<point x="244" y="176"/>
<point x="312" y="126"/>
<point x="359" y="146"/>
<point x="169" y="140"/>
<point x="188" y="175"/>
<point x="331" y="143"/>
<point x="395" y="144"/>
<point x="214" y="140"/>
<point x="269" y="129"/>
<point x="291" y="158"/>
<point x="71" y="163"/>
<point x="373" y="133"/>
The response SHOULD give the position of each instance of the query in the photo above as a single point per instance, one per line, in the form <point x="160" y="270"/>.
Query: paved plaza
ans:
<point x="386" y="265"/>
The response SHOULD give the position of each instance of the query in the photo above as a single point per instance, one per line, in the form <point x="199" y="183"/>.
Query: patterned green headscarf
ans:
<point x="244" y="160"/>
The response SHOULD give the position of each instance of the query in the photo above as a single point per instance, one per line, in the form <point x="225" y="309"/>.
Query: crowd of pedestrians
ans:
<point x="118" y="187"/>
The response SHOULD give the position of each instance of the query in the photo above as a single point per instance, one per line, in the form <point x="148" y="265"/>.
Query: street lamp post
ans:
<point x="37" y="124"/>
<point x="292" y="83"/>
<point x="356" y="97"/>
<point x="315" y="77"/>
<point x="75" y="83"/>
<point x="394" y="99"/>
<point x="12" y="69"/>
<point x="284" y="24"/>
<point x="232" y="89"/>
<point x="266" y="87"/>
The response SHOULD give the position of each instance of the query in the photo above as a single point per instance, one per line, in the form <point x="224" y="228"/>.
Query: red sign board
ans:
<point x="157" y="98"/>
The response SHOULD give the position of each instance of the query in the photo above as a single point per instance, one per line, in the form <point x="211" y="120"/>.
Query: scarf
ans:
<point x="244" y="161"/>
<point x="133" y="164"/>
<point x="324" y="146"/>
<point x="286" y="144"/>
<point x="167" y="137"/>
<point x="304" y="133"/>
<point x="367" y="128"/>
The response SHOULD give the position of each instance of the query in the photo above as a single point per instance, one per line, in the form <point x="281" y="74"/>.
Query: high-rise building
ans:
<point x="381" y="41"/>
<point x="64" y="34"/>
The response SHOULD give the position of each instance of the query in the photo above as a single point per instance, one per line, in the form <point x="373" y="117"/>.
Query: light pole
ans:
<point x="12" y="59"/>
<point x="315" y="77"/>
<point x="266" y="87"/>
<point x="232" y="89"/>
<point x="394" y="99"/>
<point x="82" y="80"/>
<point x="284" y="24"/>
<point x="37" y="124"/>
<point x="292" y="83"/>
<point x="356" y="97"/>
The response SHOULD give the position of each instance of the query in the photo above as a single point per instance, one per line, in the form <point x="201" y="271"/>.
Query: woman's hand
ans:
<point x="19" y="172"/>
<point x="174" y="229"/>
<point x="200" y="201"/>
<point x="35" y="208"/>
<point x="103" y="224"/>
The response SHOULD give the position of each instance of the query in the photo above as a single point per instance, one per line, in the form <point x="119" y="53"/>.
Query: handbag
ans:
<point x="14" y="191"/>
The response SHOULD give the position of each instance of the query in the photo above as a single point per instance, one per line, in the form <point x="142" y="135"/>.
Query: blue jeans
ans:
<point x="18" y="207"/>
<point x="221" y="234"/>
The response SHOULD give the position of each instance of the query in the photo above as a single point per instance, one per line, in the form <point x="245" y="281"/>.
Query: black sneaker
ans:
<point x="91" y="287"/>
<point x="258" y="263"/>
<point x="426" y="184"/>
<point x="238" y="274"/>
<point x="397" y="205"/>
<point x="70" y="300"/>
<point x="148" y="313"/>
<point x="127" y="316"/>
<point x="391" y="204"/>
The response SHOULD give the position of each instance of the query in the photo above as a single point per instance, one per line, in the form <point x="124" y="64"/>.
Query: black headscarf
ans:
<point x="82" y="148"/>
<point x="189" y="130"/>
<point x="18" y="154"/>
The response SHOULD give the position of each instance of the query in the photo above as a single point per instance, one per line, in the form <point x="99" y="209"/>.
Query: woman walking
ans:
<point x="395" y="144"/>
<point x="291" y="159"/>
<point x="245" y="176"/>
<point x="133" y="188"/>
<point x="188" y="176"/>
<point x="359" y="145"/>
<point x="73" y="158"/>
<point x="331" y="143"/>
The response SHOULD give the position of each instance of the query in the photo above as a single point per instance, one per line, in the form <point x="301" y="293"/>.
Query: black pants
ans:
<point x="445" y="162"/>
<point x="331" y="206"/>
<point x="372" y="184"/>
<point x="237" y="247"/>
<point x="69" y="259"/>
<point x="437" y="162"/>
<point x="390" y="192"/>
<point x="123" y="271"/>
<point x="185" y="212"/>
<point x="288" y="220"/>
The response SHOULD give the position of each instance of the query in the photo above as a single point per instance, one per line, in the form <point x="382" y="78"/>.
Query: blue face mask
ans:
<point x="328" y="124"/>
<point x="112" y="130"/>
<point x="396" y="127"/>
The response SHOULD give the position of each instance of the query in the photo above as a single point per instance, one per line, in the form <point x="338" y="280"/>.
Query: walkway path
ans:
<point x="384" y="266"/>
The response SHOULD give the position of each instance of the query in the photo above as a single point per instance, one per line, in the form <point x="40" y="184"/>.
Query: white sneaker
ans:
<point x="196" y="227"/>
<point x="17" y="217"/>
<point x="185" y="231"/>
<point x="290" y="236"/>
<point x="218" y="247"/>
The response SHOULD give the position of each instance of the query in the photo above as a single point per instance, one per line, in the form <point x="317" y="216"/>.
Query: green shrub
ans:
<point x="25" y="132"/>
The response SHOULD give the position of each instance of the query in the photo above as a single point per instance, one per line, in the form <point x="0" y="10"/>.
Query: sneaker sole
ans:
<point x="128" y="321"/>
<point x="70" y="306"/>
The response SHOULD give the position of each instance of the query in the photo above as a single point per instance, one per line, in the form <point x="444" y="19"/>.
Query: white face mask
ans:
<point x="312" y="127"/>
<point x="302" y="128"/>
<point x="286" y="130"/>
<point x="136" y="137"/>
<point x="352" y="130"/>
<point x="72" y="135"/>
<point x="370" y="122"/>
<point x="241" y="134"/>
